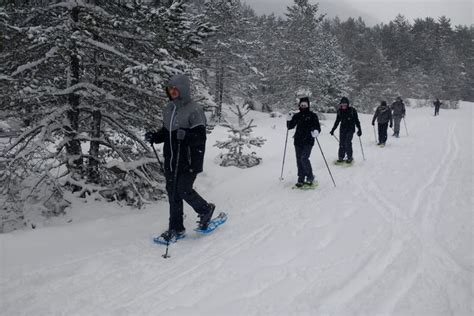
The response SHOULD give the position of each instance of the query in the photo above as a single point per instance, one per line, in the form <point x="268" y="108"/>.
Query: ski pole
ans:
<point x="361" y="148"/>
<point x="335" y="138"/>
<point x="158" y="158"/>
<point x="325" y="162"/>
<point x="284" y="155"/>
<point x="375" y="134"/>
<point x="180" y="136"/>
<point x="405" y="123"/>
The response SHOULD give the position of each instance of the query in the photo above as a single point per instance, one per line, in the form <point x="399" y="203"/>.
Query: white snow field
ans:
<point x="395" y="237"/>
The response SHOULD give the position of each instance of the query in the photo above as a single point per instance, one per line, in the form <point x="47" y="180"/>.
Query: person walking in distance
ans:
<point x="398" y="112"/>
<point x="307" y="129"/>
<point x="348" y="118"/>
<point x="437" y="104"/>
<point x="383" y="115"/>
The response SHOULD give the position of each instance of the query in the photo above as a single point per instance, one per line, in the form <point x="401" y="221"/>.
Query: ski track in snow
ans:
<point x="367" y="247"/>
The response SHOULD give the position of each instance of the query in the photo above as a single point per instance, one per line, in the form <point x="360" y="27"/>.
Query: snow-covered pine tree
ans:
<point x="311" y="60"/>
<point x="89" y="77"/>
<point x="239" y="138"/>
<point x="227" y="61"/>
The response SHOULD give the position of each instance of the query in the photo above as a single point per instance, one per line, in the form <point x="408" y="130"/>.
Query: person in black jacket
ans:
<point x="182" y="116"/>
<point x="347" y="116"/>
<point x="307" y="129"/>
<point x="437" y="105"/>
<point x="383" y="115"/>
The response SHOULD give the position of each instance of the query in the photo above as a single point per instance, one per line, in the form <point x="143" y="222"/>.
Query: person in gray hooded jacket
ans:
<point x="182" y="117"/>
<point x="383" y="115"/>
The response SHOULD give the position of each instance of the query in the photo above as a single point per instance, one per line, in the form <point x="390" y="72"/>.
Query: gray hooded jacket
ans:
<point x="383" y="114"/>
<point x="182" y="113"/>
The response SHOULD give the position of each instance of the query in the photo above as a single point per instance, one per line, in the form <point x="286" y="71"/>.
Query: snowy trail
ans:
<point x="394" y="237"/>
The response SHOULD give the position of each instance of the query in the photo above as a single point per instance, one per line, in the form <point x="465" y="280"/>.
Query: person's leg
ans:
<point x="176" y="206"/>
<point x="299" y="163"/>
<point x="348" y="144"/>
<point x="186" y="192"/>
<point x="383" y="132"/>
<point x="306" y="163"/>
<point x="380" y="131"/>
<point x="396" y="127"/>
<point x="342" y="148"/>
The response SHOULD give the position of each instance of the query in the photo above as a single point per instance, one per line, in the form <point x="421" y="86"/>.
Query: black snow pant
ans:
<point x="436" y="110"/>
<point x="383" y="132"/>
<point x="345" y="144"/>
<point x="184" y="191"/>
<point x="304" y="165"/>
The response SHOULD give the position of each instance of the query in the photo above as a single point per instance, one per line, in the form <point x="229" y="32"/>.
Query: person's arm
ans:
<point x="290" y="124"/>
<point x="356" y="119"/>
<point x="375" y="116"/>
<point x="156" y="137"/>
<point x="316" y="125"/>
<point x="336" y="123"/>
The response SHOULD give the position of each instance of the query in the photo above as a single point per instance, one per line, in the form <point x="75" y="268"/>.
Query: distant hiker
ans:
<point x="184" y="123"/>
<point x="398" y="112"/>
<point x="307" y="129"/>
<point x="347" y="116"/>
<point x="437" y="104"/>
<point x="383" y="115"/>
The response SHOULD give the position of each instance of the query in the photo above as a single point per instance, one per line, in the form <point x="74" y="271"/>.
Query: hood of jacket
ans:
<point x="183" y="84"/>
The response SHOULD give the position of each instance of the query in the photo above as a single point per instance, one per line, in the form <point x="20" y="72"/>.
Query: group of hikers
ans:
<point x="308" y="128"/>
<point x="184" y="136"/>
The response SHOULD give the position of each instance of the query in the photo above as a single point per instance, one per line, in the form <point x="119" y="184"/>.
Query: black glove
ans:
<point x="390" y="125"/>
<point x="359" y="133"/>
<point x="332" y="132"/>
<point x="373" y="123"/>
<point x="149" y="137"/>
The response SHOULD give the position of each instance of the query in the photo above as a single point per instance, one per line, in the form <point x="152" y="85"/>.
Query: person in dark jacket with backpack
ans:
<point x="307" y="129"/>
<point x="383" y="115"/>
<point x="184" y="127"/>
<point x="398" y="112"/>
<point x="349" y="120"/>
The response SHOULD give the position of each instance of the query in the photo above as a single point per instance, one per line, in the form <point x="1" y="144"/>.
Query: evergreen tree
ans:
<point x="88" y="78"/>
<point x="239" y="138"/>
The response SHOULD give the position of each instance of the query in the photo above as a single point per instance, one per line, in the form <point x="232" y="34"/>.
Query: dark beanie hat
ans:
<point x="344" y="100"/>
<point x="304" y="99"/>
<point x="383" y="103"/>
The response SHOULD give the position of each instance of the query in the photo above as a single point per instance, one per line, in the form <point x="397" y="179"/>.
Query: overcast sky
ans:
<point x="375" y="11"/>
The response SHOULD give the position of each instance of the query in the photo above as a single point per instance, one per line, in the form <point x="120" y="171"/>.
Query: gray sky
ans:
<point x="375" y="11"/>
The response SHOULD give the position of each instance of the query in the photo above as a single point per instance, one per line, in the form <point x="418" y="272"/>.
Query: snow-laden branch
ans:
<point x="71" y="4"/>
<point x="110" y="49"/>
<point x="35" y="63"/>
<point x="130" y="87"/>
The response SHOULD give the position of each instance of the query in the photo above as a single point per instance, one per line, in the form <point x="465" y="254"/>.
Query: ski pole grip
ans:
<point x="180" y="134"/>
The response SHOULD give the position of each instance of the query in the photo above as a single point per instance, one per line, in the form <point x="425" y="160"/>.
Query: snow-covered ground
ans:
<point x="395" y="237"/>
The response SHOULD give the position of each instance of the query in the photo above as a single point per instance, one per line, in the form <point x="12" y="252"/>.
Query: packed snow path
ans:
<point x="394" y="237"/>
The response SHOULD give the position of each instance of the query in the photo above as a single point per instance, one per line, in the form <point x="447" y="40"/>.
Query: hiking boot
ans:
<point x="173" y="235"/>
<point x="349" y="160"/>
<point x="340" y="160"/>
<point x="204" y="219"/>
<point x="299" y="184"/>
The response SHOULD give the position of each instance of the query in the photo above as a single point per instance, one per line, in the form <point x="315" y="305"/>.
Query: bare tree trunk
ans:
<point x="93" y="165"/>
<point x="219" y="88"/>
<point x="73" y="146"/>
